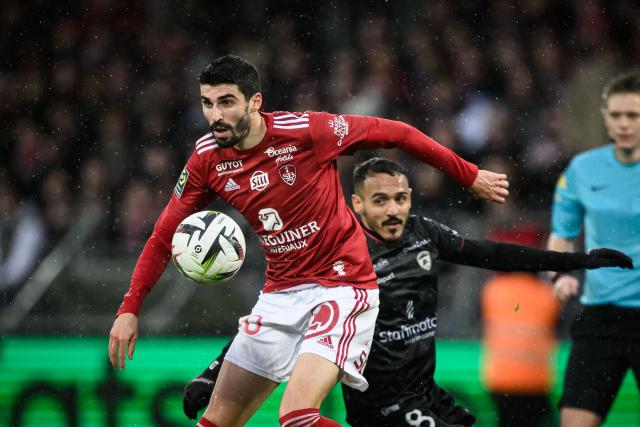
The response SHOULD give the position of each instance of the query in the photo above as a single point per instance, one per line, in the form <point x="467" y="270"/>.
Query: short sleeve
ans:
<point x="567" y="211"/>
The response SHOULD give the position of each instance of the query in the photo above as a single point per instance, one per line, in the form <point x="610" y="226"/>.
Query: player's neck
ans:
<point x="631" y="155"/>
<point x="258" y="129"/>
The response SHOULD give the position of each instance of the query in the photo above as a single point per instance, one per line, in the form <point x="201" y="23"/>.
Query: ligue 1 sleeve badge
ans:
<point x="182" y="181"/>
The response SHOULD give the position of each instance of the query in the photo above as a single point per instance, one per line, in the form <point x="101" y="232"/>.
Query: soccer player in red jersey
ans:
<point x="314" y="321"/>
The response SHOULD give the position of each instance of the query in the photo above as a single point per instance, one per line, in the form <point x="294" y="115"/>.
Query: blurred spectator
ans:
<point x="136" y="215"/>
<point x="95" y="85"/>
<point x="58" y="202"/>
<point x="115" y="73"/>
<point x="95" y="185"/>
<point x="159" y="172"/>
<point x="473" y="123"/>
<point x="22" y="237"/>
<point x="115" y="144"/>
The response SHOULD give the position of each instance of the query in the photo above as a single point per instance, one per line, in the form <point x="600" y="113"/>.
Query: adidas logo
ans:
<point x="326" y="341"/>
<point x="231" y="185"/>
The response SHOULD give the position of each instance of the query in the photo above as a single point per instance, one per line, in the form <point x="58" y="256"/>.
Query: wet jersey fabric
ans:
<point x="402" y="360"/>
<point x="288" y="189"/>
<point x="601" y="195"/>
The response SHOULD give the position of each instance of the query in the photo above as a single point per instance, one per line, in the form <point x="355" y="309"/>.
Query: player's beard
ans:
<point x="393" y="220"/>
<point x="238" y="132"/>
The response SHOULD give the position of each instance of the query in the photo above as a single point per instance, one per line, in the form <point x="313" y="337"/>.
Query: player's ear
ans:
<point x="409" y="194"/>
<point x="356" y="201"/>
<point x="255" y="102"/>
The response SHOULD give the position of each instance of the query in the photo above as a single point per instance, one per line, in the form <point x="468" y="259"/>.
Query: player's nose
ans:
<point x="215" y="115"/>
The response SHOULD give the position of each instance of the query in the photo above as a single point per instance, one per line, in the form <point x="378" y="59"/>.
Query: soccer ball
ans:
<point x="208" y="247"/>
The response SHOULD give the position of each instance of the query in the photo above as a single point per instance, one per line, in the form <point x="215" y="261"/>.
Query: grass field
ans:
<point x="53" y="382"/>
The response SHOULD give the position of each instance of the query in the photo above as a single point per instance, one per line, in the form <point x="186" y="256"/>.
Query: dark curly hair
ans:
<point x="232" y="69"/>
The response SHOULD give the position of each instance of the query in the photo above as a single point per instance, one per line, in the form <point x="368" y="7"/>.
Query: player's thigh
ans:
<point x="441" y="402"/>
<point x="237" y="394"/>
<point x="593" y="376"/>
<point x="341" y="331"/>
<point x="414" y="413"/>
<point x="418" y="413"/>
<point x="269" y="339"/>
<point x="336" y="344"/>
<point x="312" y="378"/>
<point x="416" y="417"/>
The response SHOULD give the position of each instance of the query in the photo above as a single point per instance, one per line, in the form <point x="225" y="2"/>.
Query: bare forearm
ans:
<point x="560" y="244"/>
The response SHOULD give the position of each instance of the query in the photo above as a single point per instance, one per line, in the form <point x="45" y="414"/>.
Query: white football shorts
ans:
<point x="334" y="323"/>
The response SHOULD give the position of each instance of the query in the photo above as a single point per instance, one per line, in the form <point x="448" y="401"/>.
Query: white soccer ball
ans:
<point x="208" y="247"/>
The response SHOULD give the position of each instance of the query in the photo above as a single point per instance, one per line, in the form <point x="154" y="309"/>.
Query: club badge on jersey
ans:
<point x="288" y="173"/>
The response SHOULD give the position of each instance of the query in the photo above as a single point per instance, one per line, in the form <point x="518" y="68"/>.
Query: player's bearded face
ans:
<point x="384" y="204"/>
<point x="228" y="134"/>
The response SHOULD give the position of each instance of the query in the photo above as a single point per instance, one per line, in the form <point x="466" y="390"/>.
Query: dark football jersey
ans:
<point x="402" y="359"/>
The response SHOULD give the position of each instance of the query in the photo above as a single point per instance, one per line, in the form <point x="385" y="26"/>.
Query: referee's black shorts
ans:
<point x="605" y="344"/>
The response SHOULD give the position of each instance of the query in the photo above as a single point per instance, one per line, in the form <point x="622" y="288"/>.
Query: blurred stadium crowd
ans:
<point x="100" y="104"/>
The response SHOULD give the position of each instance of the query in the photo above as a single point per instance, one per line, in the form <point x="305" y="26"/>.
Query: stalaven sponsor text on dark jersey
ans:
<point x="402" y="360"/>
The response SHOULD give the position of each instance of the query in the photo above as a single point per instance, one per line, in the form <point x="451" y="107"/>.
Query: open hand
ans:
<point x="123" y="335"/>
<point x="491" y="186"/>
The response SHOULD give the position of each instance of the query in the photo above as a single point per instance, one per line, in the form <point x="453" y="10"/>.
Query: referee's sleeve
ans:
<point x="567" y="210"/>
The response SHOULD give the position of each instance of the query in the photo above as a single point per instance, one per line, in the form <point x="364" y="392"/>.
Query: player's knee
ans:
<point x="293" y="401"/>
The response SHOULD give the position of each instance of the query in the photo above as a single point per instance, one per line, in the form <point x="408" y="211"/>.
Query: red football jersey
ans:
<point x="288" y="189"/>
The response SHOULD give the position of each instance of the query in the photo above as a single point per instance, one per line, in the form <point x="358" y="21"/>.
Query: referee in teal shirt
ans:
<point x="600" y="193"/>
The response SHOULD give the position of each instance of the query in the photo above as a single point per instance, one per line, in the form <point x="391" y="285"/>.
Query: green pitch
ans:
<point x="53" y="382"/>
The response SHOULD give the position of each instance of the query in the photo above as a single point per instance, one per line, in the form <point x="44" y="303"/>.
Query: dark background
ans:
<point x="99" y="111"/>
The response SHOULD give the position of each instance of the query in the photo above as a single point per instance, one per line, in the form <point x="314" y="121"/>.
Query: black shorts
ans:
<point x="519" y="410"/>
<point x="435" y="408"/>
<point x="606" y="343"/>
